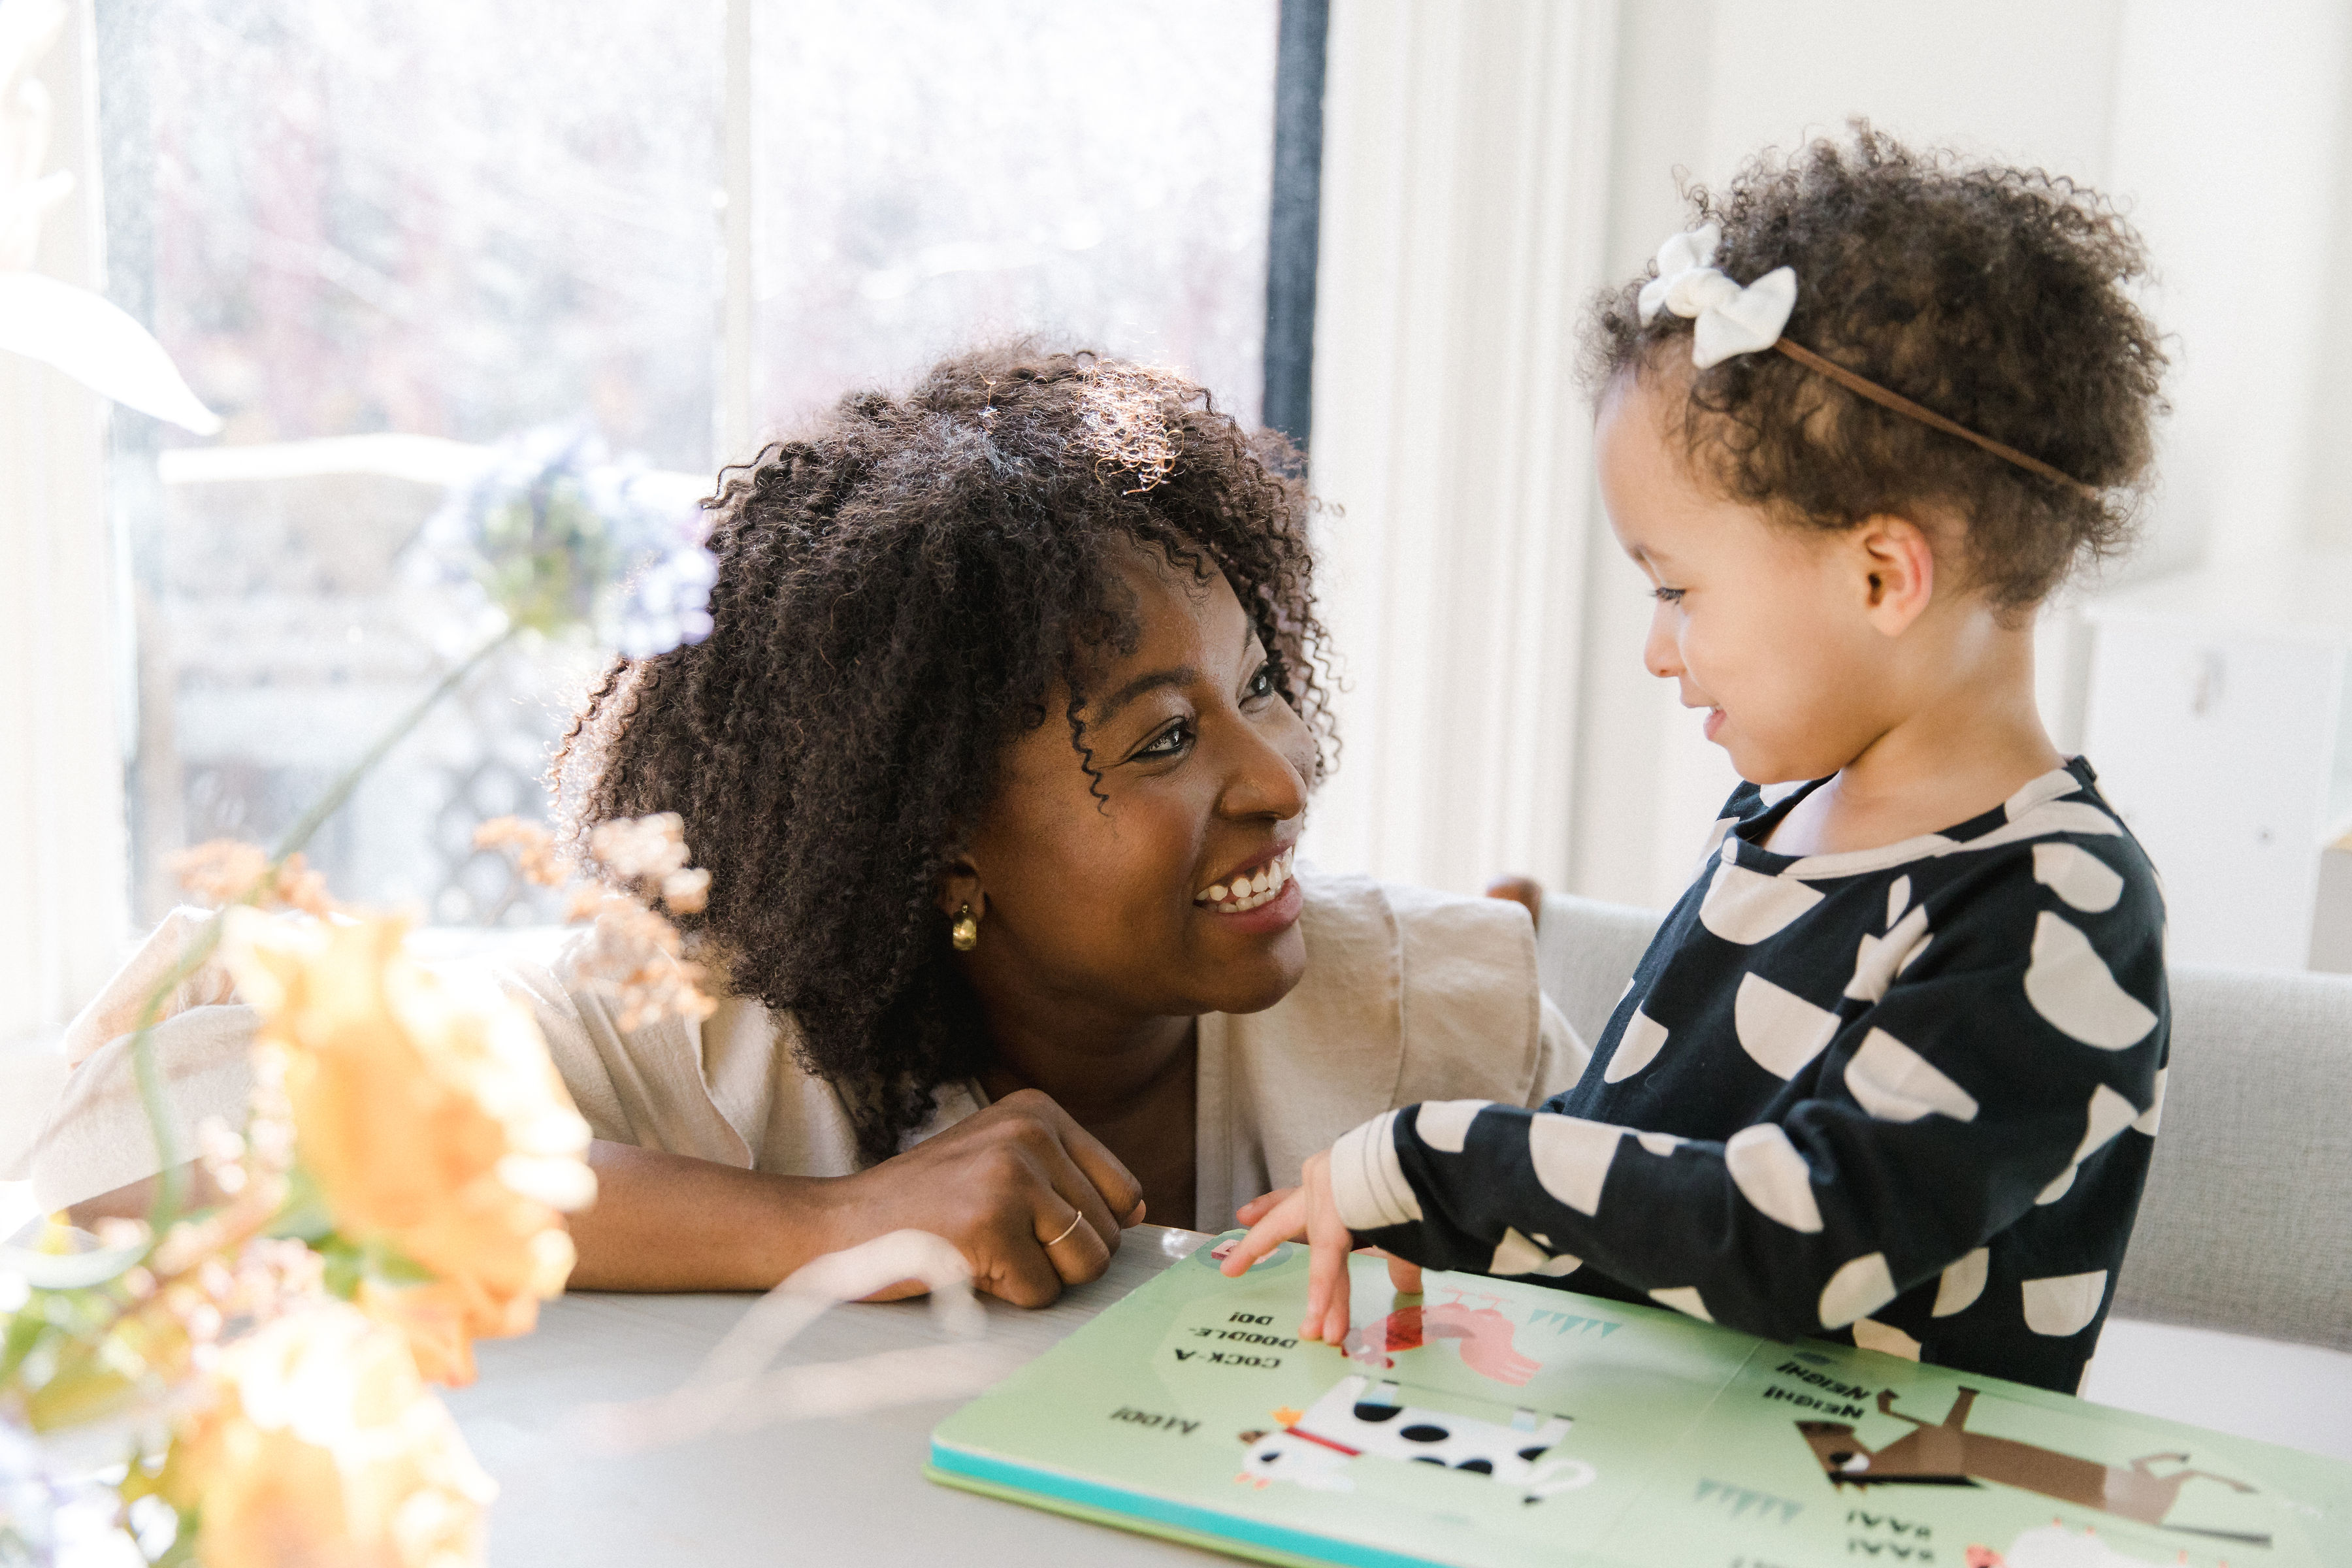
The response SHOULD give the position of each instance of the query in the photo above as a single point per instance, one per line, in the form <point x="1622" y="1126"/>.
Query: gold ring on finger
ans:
<point x="1075" y="1220"/>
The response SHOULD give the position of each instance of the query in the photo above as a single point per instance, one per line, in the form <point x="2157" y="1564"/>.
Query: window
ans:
<point x="398" y="245"/>
<point x="928" y="171"/>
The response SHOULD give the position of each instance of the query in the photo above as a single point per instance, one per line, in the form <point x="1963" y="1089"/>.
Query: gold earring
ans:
<point x="965" y="933"/>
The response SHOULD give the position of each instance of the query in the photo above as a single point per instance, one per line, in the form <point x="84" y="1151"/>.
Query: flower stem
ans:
<point x="171" y="1192"/>
<point x="332" y="800"/>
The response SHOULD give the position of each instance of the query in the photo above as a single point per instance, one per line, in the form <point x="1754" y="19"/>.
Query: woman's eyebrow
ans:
<point x="1184" y="675"/>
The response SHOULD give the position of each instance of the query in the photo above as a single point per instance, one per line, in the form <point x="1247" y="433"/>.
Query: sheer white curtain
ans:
<point x="63" y="906"/>
<point x="1465" y="199"/>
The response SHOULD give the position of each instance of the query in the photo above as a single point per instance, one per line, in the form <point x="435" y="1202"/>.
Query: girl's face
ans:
<point x="1778" y="632"/>
<point x="1139" y="900"/>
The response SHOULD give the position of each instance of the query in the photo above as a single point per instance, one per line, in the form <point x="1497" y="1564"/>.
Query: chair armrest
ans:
<point x="1585" y="953"/>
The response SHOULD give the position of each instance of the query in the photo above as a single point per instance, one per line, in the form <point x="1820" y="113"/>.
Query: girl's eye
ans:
<point x="1262" y="684"/>
<point x="1170" y="743"/>
<point x="1668" y="595"/>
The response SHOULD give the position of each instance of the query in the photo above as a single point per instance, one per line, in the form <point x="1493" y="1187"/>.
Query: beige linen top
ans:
<point x="1408" y="994"/>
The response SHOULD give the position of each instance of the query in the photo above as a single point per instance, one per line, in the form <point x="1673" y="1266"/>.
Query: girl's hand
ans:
<point x="1306" y="1210"/>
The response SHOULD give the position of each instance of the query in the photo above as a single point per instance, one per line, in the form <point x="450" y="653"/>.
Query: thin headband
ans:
<point x="1731" y="320"/>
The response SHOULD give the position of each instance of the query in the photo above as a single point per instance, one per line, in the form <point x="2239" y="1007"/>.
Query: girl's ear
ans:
<point x="1898" y="560"/>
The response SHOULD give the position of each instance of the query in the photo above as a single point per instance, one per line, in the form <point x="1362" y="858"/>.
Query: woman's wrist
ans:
<point x="803" y="1218"/>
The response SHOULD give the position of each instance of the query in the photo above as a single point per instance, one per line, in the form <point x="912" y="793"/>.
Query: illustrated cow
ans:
<point x="1316" y="1447"/>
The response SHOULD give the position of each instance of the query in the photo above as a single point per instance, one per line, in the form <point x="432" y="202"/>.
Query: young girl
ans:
<point x="1892" y="1069"/>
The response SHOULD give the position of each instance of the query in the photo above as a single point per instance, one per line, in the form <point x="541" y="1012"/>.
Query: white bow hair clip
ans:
<point x="1731" y="320"/>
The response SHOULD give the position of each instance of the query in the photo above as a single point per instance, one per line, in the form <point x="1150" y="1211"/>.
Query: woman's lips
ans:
<point x="1256" y="887"/>
<point x="1714" y="722"/>
<point x="1277" y="911"/>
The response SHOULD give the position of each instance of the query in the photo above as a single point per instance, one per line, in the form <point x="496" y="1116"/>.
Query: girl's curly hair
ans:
<point x="1994" y="296"/>
<point x="900" y="589"/>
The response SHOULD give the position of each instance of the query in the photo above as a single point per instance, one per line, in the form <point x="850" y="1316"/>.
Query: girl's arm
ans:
<point x="1943" y="1114"/>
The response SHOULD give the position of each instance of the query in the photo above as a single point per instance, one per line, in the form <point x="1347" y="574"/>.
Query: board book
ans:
<point x="1492" y="1423"/>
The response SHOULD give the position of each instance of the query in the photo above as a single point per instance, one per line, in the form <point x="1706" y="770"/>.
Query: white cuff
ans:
<point x="1368" y="1185"/>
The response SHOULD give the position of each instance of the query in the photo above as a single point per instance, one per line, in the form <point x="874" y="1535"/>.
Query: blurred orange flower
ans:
<point x="224" y="871"/>
<point x="434" y="1319"/>
<point x="432" y="1119"/>
<point x="534" y="849"/>
<point x="322" y="1447"/>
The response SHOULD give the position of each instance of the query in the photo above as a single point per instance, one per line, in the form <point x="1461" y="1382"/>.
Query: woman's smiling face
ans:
<point x="1130" y="901"/>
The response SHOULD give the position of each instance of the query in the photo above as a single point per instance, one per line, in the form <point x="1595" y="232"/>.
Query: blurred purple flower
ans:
<point x="558" y="535"/>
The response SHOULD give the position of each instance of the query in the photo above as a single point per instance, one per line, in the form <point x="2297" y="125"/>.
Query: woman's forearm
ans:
<point x="666" y="1222"/>
<point x="661" y="1222"/>
<point x="1032" y="1200"/>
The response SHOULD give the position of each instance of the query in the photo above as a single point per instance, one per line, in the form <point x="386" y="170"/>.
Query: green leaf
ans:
<point x="387" y="1262"/>
<point x="346" y="1264"/>
<point x="70" y="1270"/>
<point x="82" y="1391"/>
<point x="26" y="1329"/>
<point x="304" y="1215"/>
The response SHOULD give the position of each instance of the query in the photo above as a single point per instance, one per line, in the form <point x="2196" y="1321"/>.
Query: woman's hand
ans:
<point x="1307" y="1210"/>
<point x="1033" y="1201"/>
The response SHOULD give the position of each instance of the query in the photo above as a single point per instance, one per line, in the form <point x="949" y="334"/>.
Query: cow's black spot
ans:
<point x="1425" y="1434"/>
<point x="1270" y="1455"/>
<point x="1429" y="1459"/>
<point x="1370" y="1413"/>
<point x="1537" y="1452"/>
<point x="1484" y="1466"/>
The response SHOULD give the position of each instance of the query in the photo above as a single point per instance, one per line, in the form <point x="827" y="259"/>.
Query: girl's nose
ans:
<point x="1661" y="654"/>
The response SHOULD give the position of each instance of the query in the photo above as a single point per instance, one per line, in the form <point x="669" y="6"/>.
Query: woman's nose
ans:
<point x="1267" y="780"/>
<point x="1661" y="654"/>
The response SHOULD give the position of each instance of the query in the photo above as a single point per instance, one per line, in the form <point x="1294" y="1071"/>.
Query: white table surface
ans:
<point x="851" y="1489"/>
<point x="840" y="1489"/>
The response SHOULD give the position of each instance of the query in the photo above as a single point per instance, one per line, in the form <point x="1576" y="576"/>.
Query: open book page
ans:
<point x="1489" y="1422"/>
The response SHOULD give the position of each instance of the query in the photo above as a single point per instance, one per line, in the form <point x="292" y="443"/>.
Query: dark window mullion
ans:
<point x="1291" y="227"/>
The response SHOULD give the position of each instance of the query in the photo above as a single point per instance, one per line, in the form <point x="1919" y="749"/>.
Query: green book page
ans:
<point x="1488" y="1422"/>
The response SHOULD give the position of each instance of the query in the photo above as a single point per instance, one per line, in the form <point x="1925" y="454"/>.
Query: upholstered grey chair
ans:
<point x="2246" y="1224"/>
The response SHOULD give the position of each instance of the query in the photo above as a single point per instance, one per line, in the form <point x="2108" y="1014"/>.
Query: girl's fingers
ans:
<point x="1255" y="1209"/>
<point x="1326" y="1270"/>
<point x="1405" y="1277"/>
<point x="1286" y="1221"/>
<point x="1327" y="1279"/>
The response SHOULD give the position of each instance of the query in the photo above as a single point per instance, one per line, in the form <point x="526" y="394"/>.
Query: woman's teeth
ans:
<point x="1248" y="892"/>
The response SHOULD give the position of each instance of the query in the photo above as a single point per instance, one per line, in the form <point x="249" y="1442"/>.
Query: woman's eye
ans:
<point x="1262" y="684"/>
<point x="1668" y="595"/>
<point x="1171" y="742"/>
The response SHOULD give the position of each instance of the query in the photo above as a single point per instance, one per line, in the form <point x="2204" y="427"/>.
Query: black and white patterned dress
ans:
<point x="1904" y="1097"/>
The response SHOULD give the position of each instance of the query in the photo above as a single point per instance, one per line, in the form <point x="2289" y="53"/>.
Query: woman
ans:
<point x="997" y="755"/>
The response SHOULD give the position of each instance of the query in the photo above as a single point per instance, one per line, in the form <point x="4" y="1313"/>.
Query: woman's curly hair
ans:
<point x="900" y="590"/>
<point x="1993" y="296"/>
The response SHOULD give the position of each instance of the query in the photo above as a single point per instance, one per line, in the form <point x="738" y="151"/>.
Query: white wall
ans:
<point x="2218" y="129"/>
<point x="2227" y="134"/>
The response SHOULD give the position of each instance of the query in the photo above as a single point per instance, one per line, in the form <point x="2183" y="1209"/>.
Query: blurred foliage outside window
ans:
<point x="409" y="250"/>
